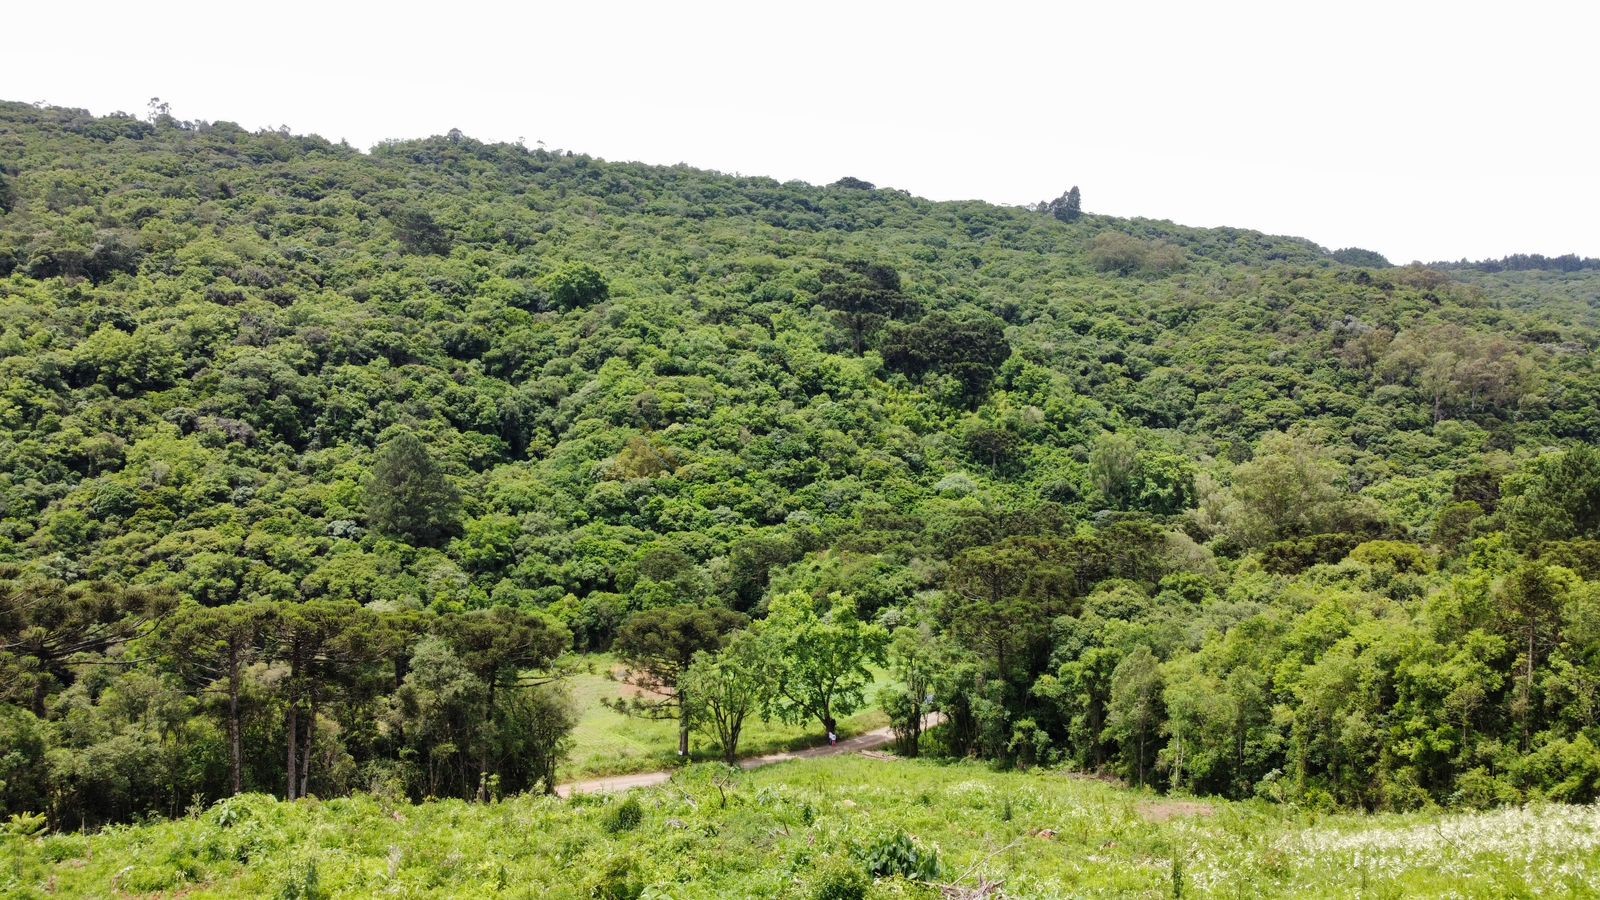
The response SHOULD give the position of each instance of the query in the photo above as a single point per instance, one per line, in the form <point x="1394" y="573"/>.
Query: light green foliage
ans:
<point x="728" y="687"/>
<point x="820" y="659"/>
<point x="1126" y="255"/>
<point x="916" y="657"/>
<point x="1135" y="710"/>
<point x="1289" y="489"/>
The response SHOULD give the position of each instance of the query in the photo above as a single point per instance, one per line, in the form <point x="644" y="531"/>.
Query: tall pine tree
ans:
<point x="409" y="497"/>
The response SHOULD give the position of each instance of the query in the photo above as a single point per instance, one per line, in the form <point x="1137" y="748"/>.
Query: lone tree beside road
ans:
<point x="726" y="688"/>
<point x="820" y="659"/>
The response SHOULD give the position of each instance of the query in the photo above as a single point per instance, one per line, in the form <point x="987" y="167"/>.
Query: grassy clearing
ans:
<point x="785" y="830"/>
<point x="607" y="742"/>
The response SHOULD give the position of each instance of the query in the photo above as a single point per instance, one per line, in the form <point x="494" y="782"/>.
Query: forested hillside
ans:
<point x="313" y="462"/>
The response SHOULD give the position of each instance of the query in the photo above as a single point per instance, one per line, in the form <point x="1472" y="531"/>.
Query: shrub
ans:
<point x="619" y="880"/>
<point x="1562" y="771"/>
<point x="1477" y="789"/>
<point x="1392" y="556"/>
<point x="898" y="854"/>
<point x="303" y="883"/>
<point x="625" y="816"/>
<point x="839" y="879"/>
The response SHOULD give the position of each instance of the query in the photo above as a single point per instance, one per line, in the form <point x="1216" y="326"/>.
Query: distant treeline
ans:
<point x="1524" y="262"/>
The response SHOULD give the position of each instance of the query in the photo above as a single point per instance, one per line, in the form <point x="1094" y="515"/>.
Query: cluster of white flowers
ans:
<point x="974" y="792"/>
<point x="1557" y="847"/>
<point x="1513" y="832"/>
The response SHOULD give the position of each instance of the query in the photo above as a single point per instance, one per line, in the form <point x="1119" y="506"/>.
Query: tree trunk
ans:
<point x="1177" y="777"/>
<point x="292" y="742"/>
<point x="683" y="724"/>
<point x="311" y="736"/>
<point x="235" y="743"/>
<point x="483" y="755"/>
<point x="1527" y="714"/>
<point x="730" y="743"/>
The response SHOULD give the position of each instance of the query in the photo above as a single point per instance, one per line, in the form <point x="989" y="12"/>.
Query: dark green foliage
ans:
<point x="657" y="645"/>
<point x="576" y="285"/>
<point x="619" y="880"/>
<point x="1068" y="207"/>
<point x="968" y="347"/>
<point x="1295" y="556"/>
<point x="418" y="233"/>
<point x="863" y="296"/>
<point x="24" y="777"/>
<point x="1356" y="256"/>
<point x="1526" y="262"/>
<point x="409" y="497"/>
<point x="1559" y="499"/>
<point x="45" y="624"/>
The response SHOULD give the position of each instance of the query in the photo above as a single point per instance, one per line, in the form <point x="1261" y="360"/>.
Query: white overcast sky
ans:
<point x="1421" y="130"/>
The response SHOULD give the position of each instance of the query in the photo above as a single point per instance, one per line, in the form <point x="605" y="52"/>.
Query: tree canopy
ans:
<point x="1199" y="507"/>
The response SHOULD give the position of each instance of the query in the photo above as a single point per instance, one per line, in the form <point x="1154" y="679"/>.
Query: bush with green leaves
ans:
<point x="624" y="816"/>
<point x="898" y="855"/>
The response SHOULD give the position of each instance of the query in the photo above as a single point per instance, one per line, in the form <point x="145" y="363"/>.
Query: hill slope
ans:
<point x="1205" y="507"/>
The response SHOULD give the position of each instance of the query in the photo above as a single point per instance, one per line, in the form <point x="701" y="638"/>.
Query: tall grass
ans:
<point x="806" y="828"/>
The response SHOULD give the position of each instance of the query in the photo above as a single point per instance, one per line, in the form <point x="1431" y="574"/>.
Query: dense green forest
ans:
<point x="315" y="463"/>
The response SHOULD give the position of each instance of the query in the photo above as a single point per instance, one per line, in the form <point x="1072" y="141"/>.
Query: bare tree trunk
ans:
<point x="731" y="744"/>
<point x="483" y="754"/>
<point x="293" y="688"/>
<point x="683" y="723"/>
<point x="293" y="742"/>
<point x="1527" y="714"/>
<point x="235" y="742"/>
<point x="311" y="736"/>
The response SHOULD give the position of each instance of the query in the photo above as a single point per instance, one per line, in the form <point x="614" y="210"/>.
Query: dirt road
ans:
<point x="870" y="740"/>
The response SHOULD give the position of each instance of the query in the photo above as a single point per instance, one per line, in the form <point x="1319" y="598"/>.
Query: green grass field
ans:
<point x="607" y="742"/>
<point x="808" y="829"/>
